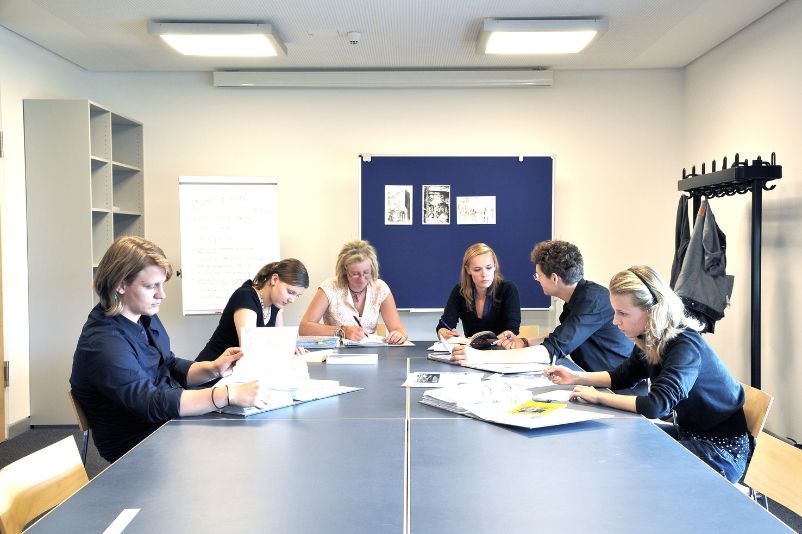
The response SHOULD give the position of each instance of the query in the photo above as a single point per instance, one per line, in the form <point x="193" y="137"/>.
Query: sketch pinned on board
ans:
<point x="476" y="210"/>
<point x="397" y="204"/>
<point x="436" y="204"/>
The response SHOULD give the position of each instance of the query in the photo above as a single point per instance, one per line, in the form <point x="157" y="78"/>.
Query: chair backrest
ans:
<point x="776" y="471"/>
<point x="36" y="483"/>
<point x="381" y="330"/>
<point x="529" y="331"/>
<point x="83" y="422"/>
<point x="756" y="409"/>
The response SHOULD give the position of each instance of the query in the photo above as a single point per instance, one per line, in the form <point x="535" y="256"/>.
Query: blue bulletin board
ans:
<point x="418" y="239"/>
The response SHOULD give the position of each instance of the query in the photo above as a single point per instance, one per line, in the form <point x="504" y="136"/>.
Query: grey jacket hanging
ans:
<point x="703" y="284"/>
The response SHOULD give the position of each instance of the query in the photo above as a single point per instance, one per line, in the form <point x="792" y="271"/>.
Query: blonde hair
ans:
<point x="466" y="282"/>
<point x="652" y="294"/>
<point x="121" y="264"/>
<point x="355" y="252"/>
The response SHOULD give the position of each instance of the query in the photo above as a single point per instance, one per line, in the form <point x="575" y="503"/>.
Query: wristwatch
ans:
<point x="340" y="332"/>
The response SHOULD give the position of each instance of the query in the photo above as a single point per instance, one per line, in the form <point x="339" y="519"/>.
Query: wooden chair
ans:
<point x="83" y="424"/>
<point x="756" y="409"/>
<point x="529" y="331"/>
<point x="775" y="471"/>
<point x="381" y="330"/>
<point x="36" y="483"/>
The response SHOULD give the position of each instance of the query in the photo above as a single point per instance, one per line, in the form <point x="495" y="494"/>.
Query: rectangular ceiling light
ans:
<point x="538" y="36"/>
<point x="219" y="39"/>
<point x="403" y="79"/>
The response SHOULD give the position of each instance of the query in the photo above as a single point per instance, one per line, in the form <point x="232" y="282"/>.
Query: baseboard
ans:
<point x="18" y="427"/>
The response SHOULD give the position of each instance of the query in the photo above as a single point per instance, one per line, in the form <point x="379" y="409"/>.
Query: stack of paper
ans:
<point x="428" y="379"/>
<point x="507" y="404"/>
<point x="318" y="342"/>
<point x="372" y="340"/>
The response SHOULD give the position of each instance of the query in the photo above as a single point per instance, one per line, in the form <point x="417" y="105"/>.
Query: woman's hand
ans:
<point x="300" y="350"/>
<point x="248" y="394"/>
<point x="446" y="333"/>
<point x="354" y="333"/>
<point x="458" y="354"/>
<point x="395" y="338"/>
<point x="559" y="374"/>
<point x="587" y="394"/>
<point x="224" y="364"/>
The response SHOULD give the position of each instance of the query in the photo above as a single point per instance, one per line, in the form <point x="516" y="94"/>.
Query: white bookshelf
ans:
<point x="85" y="188"/>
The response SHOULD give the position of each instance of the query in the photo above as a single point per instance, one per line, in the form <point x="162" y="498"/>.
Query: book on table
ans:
<point x="373" y="340"/>
<point x="318" y="342"/>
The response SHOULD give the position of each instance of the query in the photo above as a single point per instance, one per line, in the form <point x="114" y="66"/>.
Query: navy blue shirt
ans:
<point x="691" y="380"/>
<point x="126" y="379"/>
<point x="586" y="330"/>
<point x="503" y="313"/>
<point x="225" y="335"/>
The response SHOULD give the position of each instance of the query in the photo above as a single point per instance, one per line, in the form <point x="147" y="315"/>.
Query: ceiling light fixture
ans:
<point x="401" y="79"/>
<point x="220" y="39"/>
<point x="538" y="36"/>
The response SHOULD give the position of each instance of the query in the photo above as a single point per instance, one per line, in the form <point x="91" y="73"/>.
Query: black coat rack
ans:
<point x="739" y="179"/>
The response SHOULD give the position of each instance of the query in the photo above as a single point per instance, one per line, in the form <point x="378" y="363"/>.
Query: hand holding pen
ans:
<point x="508" y="340"/>
<point x="559" y="374"/>
<point x="355" y="333"/>
<point x="447" y="331"/>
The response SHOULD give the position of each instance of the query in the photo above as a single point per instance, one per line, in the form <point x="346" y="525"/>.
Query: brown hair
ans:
<point x="559" y="257"/>
<point x="290" y="271"/>
<point x="466" y="282"/>
<point x="121" y="263"/>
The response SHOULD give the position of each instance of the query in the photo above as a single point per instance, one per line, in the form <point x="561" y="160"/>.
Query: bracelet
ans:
<point x="214" y="403"/>
<point x="228" y="398"/>
<point x="525" y="341"/>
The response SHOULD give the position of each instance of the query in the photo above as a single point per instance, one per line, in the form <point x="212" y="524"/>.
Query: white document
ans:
<point x="372" y="340"/>
<point x="524" y="380"/>
<point x="426" y="379"/>
<point x="556" y="395"/>
<point x="268" y="356"/>
<point x="536" y="354"/>
<point x="352" y="359"/>
<point x="501" y="413"/>
<point x="448" y="344"/>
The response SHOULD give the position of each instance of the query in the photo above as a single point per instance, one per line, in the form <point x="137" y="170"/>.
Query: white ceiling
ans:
<point x="111" y="35"/>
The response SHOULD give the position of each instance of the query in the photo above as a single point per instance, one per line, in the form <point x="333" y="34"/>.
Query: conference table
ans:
<point x="377" y="460"/>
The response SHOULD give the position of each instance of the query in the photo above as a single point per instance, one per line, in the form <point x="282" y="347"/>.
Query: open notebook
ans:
<point x="270" y="358"/>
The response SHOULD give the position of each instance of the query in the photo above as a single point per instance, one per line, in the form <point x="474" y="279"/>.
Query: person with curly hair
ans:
<point x="586" y="331"/>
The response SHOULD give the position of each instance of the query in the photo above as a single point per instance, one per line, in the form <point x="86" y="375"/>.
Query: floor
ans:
<point x="42" y="436"/>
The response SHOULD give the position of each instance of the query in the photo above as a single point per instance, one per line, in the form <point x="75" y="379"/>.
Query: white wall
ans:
<point x="616" y="135"/>
<point x="26" y="71"/>
<point x="743" y="96"/>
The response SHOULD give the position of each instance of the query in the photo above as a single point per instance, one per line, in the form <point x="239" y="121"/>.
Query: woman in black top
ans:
<point x="482" y="300"/>
<point x="258" y="302"/>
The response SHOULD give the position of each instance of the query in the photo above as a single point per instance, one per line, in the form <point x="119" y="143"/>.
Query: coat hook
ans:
<point x="724" y="163"/>
<point x="773" y="159"/>
<point x="714" y="166"/>
<point x="703" y="168"/>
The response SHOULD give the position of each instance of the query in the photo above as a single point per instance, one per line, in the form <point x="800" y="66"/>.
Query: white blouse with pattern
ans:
<point x="342" y="309"/>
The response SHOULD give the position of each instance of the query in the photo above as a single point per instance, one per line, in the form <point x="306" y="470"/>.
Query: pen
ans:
<point x="357" y="321"/>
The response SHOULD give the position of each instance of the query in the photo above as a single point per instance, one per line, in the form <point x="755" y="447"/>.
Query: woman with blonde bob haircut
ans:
<point x="687" y="377"/>
<point x="482" y="300"/>
<point x="350" y="303"/>
<point x="124" y="374"/>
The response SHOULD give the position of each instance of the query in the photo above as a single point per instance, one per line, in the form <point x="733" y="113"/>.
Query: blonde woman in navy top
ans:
<point x="687" y="377"/>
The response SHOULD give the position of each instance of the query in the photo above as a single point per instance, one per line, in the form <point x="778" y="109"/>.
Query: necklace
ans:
<point x="265" y="311"/>
<point x="356" y="295"/>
